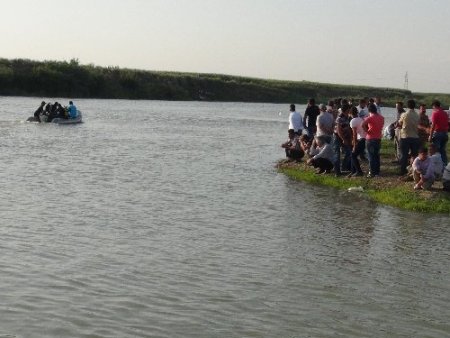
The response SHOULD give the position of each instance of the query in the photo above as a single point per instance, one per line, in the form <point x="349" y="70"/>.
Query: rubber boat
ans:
<point x="58" y="120"/>
<point x="78" y="119"/>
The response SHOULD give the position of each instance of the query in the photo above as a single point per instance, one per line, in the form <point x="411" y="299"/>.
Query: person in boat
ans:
<point x="48" y="109"/>
<point x="53" y="112"/>
<point x="61" y="112"/>
<point x="39" y="111"/>
<point x="72" y="110"/>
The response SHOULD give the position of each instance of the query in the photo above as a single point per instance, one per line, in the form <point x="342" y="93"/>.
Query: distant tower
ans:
<point x="406" y="81"/>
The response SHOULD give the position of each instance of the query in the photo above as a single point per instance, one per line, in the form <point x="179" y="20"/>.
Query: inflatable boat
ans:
<point x="58" y="120"/>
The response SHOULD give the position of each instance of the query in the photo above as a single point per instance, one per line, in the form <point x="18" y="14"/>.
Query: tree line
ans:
<point x="22" y="77"/>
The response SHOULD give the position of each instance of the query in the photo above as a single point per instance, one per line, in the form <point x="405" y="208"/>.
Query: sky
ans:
<point x="358" y="42"/>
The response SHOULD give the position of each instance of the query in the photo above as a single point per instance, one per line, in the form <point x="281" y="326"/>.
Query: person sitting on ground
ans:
<point x="295" y="120"/>
<point x="424" y="125"/>
<point x="73" y="113"/>
<point x="358" y="142"/>
<point x="446" y="178"/>
<point x="423" y="170"/>
<point x="39" y="111"/>
<point x="325" y="123"/>
<point x="436" y="158"/>
<point x="322" y="155"/>
<point x="292" y="147"/>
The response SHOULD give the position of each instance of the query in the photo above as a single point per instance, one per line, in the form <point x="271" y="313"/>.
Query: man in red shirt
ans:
<point x="439" y="130"/>
<point x="373" y="125"/>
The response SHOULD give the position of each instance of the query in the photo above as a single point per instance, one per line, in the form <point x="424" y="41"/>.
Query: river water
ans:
<point x="168" y="219"/>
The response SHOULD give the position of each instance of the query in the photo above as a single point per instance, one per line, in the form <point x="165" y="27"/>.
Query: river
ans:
<point x="168" y="219"/>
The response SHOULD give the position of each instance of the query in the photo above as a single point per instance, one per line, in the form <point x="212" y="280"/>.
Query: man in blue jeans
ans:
<point x="439" y="130"/>
<point x="373" y="125"/>
<point x="342" y="139"/>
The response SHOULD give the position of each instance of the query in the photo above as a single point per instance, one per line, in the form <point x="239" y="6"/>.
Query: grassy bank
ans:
<point x="70" y="79"/>
<point x="389" y="189"/>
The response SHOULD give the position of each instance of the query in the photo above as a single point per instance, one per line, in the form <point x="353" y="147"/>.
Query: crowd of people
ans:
<point x="48" y="111"/>
<point x="336" y="137"/>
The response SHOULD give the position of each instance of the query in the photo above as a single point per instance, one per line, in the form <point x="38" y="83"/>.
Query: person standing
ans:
<point x="295" y="120"/>
<point x="310" y="117"/>
<point x="409" y="136"/>
<point x="424" y="125"/>
<point x="378" y="104"/>
<point x="439" y="130"/>
<point x="358" y="142"/>
<point x="362" y="108"/>
<point x="342" y="140"/>
<point x="400" y="111"/>
<point x="324" y="123"/>
<point x="373" y="125"/>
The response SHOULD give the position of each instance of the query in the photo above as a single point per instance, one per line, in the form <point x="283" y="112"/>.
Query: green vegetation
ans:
<point x="388" y="189"/>
<point x="70" y="79"/>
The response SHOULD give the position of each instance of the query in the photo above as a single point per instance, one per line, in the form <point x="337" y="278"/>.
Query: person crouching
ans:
<point x="322" y="155"/>
<point x="423" y="171"/>
<point x="292" y="147"/>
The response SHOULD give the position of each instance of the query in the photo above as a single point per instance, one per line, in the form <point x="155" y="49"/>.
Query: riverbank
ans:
<point x="389" y="188"/>
<point x="71" y="79"/>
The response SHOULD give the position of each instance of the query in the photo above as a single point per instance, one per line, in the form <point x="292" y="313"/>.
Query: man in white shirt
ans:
<point x="358" y="143"/>
<point x="325" y="123"/>
<point x="295" y="120"/>
<point x="436" y="158"/>
<point x="362" y="108"/>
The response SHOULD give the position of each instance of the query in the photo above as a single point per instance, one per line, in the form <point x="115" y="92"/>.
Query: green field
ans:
<point x="21" y="77"/>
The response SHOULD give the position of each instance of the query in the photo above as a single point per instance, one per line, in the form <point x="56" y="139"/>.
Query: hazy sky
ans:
<point x="338" y="41"/>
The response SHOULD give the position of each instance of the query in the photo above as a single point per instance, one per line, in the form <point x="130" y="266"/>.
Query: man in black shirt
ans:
<point x="39" y="111"/>
<point x="310" y="117"/>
